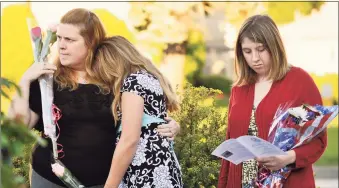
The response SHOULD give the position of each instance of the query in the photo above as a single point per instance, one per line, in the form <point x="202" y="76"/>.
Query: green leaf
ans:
<point x="4" y="94"/>
<point x="200" y="124"/>
<point x="4" y="140"/>
<point x="7" y="83"/>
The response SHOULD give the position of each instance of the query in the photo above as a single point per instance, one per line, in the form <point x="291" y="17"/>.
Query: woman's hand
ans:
<point x="36" y="70"/>
<point x="277" y="162"/>
<point x="170" y="130"/>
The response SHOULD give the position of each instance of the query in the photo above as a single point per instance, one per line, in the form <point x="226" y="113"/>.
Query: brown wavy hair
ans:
<point x="93" y="32"/>
<point x="260" y="29"/>
<point x="116" y="58"/>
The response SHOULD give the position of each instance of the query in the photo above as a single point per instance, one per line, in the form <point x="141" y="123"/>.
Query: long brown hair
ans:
<point x="260" y="29"/>
<point x="116" y="58"/>
<point x="93" y="32"/>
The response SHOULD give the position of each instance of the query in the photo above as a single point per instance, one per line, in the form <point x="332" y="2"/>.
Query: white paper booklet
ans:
<point x="244" y="148"/>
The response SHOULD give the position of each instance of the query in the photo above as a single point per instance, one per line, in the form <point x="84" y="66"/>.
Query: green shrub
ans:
<point x="16" y="144"/>
<point x="202" y="130"/>
<point x="22" y="163"/>
<point x="216" y="82"/>
<point x="195" y="56"/>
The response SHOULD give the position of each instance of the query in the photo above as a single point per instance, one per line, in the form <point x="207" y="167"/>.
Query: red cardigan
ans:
<point x="297" y="87"/>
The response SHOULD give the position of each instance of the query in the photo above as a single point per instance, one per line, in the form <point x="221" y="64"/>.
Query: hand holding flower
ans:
<point x="38" y="69"/>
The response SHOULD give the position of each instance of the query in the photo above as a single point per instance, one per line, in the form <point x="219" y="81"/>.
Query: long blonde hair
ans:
<point x="260" y="29"/>
<point x="116" y="58"/>
<point x="93" y="32"/>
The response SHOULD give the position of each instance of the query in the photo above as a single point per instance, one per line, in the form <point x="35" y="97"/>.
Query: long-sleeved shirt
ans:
<point x="297" y="88"/>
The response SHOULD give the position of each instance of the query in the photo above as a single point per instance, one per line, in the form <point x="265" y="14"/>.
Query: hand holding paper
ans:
<point x="277" y="162"/>
<point x="245" y="148"/>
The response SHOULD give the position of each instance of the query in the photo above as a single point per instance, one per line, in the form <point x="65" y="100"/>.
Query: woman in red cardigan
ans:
<point x="264" y="81"/>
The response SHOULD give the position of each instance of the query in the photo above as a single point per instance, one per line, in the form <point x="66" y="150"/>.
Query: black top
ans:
<point x="87" y="133"/>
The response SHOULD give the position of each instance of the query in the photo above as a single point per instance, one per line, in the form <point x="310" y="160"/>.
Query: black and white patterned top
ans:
<point x="148" y="87"/>
<point x="154" y="164"/>
<point x="250" y="167"/>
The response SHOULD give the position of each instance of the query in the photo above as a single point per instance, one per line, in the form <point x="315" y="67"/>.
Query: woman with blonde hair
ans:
<point x="87" y="131"/>
<point x="142" y="97"/>
<point x="264" y="81"/>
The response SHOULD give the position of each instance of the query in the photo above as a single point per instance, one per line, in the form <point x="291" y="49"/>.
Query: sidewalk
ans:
<point x="326" y="176"/>
<point x="326" y="183"/>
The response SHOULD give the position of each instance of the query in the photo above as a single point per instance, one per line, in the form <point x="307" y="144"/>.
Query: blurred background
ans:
<point x="194" y="42"/>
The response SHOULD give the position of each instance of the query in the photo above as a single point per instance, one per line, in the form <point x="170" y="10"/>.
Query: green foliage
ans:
<point x="202" y="130"/>
<point x="16" y="144"/>
<point x="216" y="82"/>
<point x="330" y="156"/>
<point x="7" y="84"/>
<point x="195" y="56"/>
<point x="21" y="164"/>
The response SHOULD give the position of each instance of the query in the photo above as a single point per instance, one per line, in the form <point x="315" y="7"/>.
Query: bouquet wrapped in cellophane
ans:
<point x="291" y="128"/>
<point x="50" y="113"/>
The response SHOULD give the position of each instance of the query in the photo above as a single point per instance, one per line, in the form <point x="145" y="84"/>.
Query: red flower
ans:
<point x="36" y="33"/>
